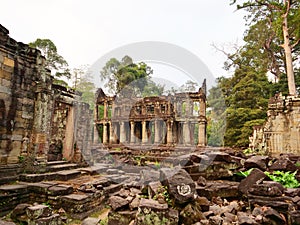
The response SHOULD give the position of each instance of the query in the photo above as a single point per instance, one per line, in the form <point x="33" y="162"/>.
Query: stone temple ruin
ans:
<point x="280" y="133"/>
<point x="118" y="164"/>
<point x="37" y="117"/>
<point x="173" y="120"/>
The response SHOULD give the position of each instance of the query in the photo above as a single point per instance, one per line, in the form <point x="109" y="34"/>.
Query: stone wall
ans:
<point x="34" y="112"/>
<point x="282" y="129"/>
<point x="25" y="98"/>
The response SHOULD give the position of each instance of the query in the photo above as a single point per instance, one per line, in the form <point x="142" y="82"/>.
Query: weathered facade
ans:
<point x="173" y="120"/>
<point x="282" y="129"/>
<point x="35" y="114"/>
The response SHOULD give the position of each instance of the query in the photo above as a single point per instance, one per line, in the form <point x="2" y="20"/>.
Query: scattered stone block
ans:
<point x="154" y="188"/>
<point x="283" y="164"/>
<point x="245" y="219"/>
<point x="152" y="204"/>
<point x="147" y="176"/>
<point x="135" y="203"/>
<point x="201" y="181"/>
<point x="255" y="177"/>
<point x="267" y="188"/>
<point x="117" y="202"/>
<point x="203" y="202"/>
<point x="274" y="216"/>
<point x="191" y="214"/>
<point x="180" y="184"/>
<point x="257" y="161"/>
<point x="53" y="219"/>
<point x="90" y="221"/>
<point x="60" y="190"/>
<point x="121" y="217"/>
<point x="223" y="189"/>
<point x="38" y="211"/>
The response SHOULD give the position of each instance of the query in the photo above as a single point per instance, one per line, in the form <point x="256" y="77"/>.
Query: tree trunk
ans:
<point x="288" y="56"/>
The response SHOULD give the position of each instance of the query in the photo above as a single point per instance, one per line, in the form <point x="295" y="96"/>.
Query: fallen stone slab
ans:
<point x="40" y="187"/>
<point x="121" y="217"/>
<point x="245" y="219"/>
<point x="60" y="190"/>
<point x="223" y="189"/>
<point x="267" y="188"/>
<point x="274" y="216"/>
<point x="38" y="211"/>
<point x="255" y="177"/>
<point x="283" y="164"/>
<point x="257" y="161"/>
<point x="147" y="176"/>
<point x="19" y="210"/>
<point x="281" y="204"/>
<point x="294" y="217"/>
<point x="152" y="204"/>
<point x="180" y="184"/>
<point x="53" y="219"/>
<point x="90" y="221"/>
<point x="14" y="188"/>
<point x="117" y="202"/>
<point x="117" y="179"/>
<point x="191" y="214"/>
<point x="112" y="189"/>
<point x="68" y="174"/>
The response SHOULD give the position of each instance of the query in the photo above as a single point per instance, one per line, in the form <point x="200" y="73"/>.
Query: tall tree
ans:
<point x="127" y="76"/>
<point x="54" y="61"/>
<point x="282" y="18"/>
<point x="83" y="84"/>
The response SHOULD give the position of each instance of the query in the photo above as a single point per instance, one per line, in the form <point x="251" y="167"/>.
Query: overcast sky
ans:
<point x="83" y="31"/>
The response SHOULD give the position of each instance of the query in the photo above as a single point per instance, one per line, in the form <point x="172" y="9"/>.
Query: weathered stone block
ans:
<point x="257" y="161"/>
<point x="38" y="211"/>
<point x="51" y="220"/>
<point x="180" y="184"/>
<point x="255" y="177"/>
<point x="8" y="62"/>
<point x="117" y="202"/>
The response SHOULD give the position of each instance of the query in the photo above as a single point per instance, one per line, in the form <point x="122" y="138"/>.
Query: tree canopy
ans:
<point x="265" y="51"/>
<point x="127" y="76"/>
<point x="54" y="61"/>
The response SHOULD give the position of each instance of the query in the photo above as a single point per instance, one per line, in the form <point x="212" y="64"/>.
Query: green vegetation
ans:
<point x="129" y="78"/>
<point x="244" y="173"/>
<point x="162" y="192"/>
<point x="54" y="61"/>
<point x="287" y="179"/>
<point x="104" y="221"/>
<point x="240" y="102"/>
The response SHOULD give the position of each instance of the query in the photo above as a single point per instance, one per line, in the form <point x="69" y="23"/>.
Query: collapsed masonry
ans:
<point x="173" y="120"/>
<point x="37" y="117"/>
<point x="280" y="133"/>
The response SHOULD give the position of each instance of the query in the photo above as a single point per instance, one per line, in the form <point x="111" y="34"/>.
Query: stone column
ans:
<point x="132" y="134"/>
<point x="111" y="133"/>
<point x="202" y="134"/>
<point x="144" y="133"/>
<point x="105" y="138"/>
<point x="156" y="132"/>
<point x="96" y="116"/>
<point x="186" y="133"/>
<point x="96" y="134"/>
<point x="105" y="110"/>
<point x="169" y="133"/>
<point x="202" y="108"/>
<point x="122" y="132"/>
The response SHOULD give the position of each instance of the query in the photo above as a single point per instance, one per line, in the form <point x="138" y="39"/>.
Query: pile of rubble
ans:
<point x="199" y="188"/>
